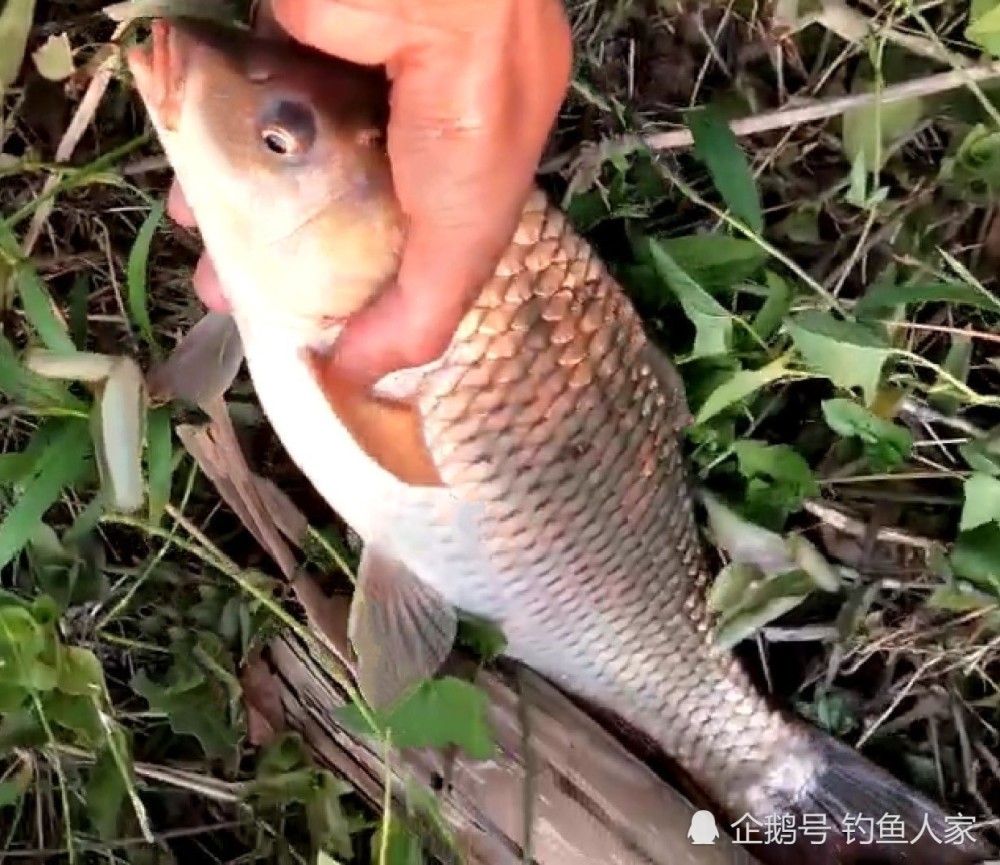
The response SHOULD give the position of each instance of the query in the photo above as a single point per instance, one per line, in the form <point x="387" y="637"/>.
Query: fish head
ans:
<point x="281" y="153"/>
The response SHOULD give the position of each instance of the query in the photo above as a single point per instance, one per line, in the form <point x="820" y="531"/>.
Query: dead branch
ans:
<point x="593" y="802"/>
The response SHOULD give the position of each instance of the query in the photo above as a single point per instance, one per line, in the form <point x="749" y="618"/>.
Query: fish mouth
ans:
<point x="161" y="66"/>
<point x="159" y="69"/>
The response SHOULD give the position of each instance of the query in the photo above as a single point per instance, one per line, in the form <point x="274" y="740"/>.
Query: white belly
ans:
<point x="429" y="529"/>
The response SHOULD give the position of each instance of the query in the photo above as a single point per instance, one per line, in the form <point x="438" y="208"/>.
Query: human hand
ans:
<point x="476" y="85"/>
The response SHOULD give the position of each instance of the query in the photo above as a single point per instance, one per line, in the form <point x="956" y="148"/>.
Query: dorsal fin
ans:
<point x="389" y="431"/>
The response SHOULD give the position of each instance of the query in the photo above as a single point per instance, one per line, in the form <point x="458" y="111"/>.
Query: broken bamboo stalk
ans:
<point x="594" y="803"/>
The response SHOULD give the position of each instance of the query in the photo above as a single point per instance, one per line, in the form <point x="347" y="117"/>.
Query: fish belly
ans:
<point x="548" y="528"/>
<point x="432" y="530"/>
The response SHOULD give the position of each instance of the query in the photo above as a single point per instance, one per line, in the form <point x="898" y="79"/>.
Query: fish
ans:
<point x="533" y="476"/>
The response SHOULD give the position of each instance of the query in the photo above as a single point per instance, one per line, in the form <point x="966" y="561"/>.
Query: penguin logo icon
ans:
<point x="703" y="829"/>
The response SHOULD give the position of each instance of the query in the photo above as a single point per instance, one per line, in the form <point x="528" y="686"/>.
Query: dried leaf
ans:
<point x="203" y="365"/>
<point x="262" y="700"/>
<point x="286" y="515"/>
<point x="75" y="366"/>
<point x="217" y="451"/>
<point x="328" y="617"/>
<point x="121" y="428"/>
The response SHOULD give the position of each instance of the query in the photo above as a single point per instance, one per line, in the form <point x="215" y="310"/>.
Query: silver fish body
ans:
<point x="559" y="506"/>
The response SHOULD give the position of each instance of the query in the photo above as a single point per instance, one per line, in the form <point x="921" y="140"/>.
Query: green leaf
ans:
<point x="872" y="129"/>
<point x="974" y="169"/>
<point x="885" y="297"/>
<point x="832" y="712"/>
<point x="39" y="311"/>
<point x="767" y="552"/>
<point x="976" y="557"/>
<point x="107" y="789"/>
<point x="74" y="713"/>
<point x="959" y="600"/>
<point x="327" y="820"/>
<point x="739" y="386"/>
<point x="715" y="261"/>
<point x="191" y="706"/>
<point x="438" y="713"/>
<point x="16" y="17"/>
<point x="945" y="397"/>
<point x="779" y="480"/>
<point x="285" y="753"/>
<point x="80" y="673"/>
<point x="801" y="225"/>
<point x="160" y="461"/>
<point x="19" y="384"/>
<point x="482" y="637"/>
<point x="731" y="586"/>
<point x="716" y="146"/>
<point x="983" y="455"/>
<point x="64" y="462"/>
<point x="403" y="848"/>
<point x="22" y="642"/>
<point x="778" y="462"/>
<point x="886" y="444"/>
<point x="763" y="601"/>
<point x="138" y="300"/>
<point x="12" y="697"/>
<point x="21" y="729"/>
<point x="984" y="26"/>
<point x="712" y="321"/>
<point x="778" y="304"/>
<point x="849" y="354"/>
<point x="11" y="793"/>
<point x="982" y="501"/>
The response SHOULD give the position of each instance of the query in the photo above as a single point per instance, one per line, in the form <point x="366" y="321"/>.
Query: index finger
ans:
<point x="359" y="32"/>
<point x="412" y="321"/>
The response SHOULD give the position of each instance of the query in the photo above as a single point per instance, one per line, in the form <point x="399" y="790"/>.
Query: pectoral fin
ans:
<point x="402" y="630"/>
<point x="389" y="431"/>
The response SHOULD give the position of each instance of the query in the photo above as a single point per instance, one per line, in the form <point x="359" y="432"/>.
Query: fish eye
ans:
<point x="288" y="128"/>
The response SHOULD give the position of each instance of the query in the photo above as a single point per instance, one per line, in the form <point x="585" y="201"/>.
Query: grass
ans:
<point x="828" y="289"/>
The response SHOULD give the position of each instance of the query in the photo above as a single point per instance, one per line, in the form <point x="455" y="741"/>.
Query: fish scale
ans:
<point x="587" y="517"/>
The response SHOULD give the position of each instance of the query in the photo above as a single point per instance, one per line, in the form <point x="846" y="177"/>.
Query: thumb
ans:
<point x="397" y="330"/>
<point x="412" y="321"/>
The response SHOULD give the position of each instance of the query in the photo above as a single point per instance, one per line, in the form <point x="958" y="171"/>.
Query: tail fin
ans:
<point x="856" y="813"/>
